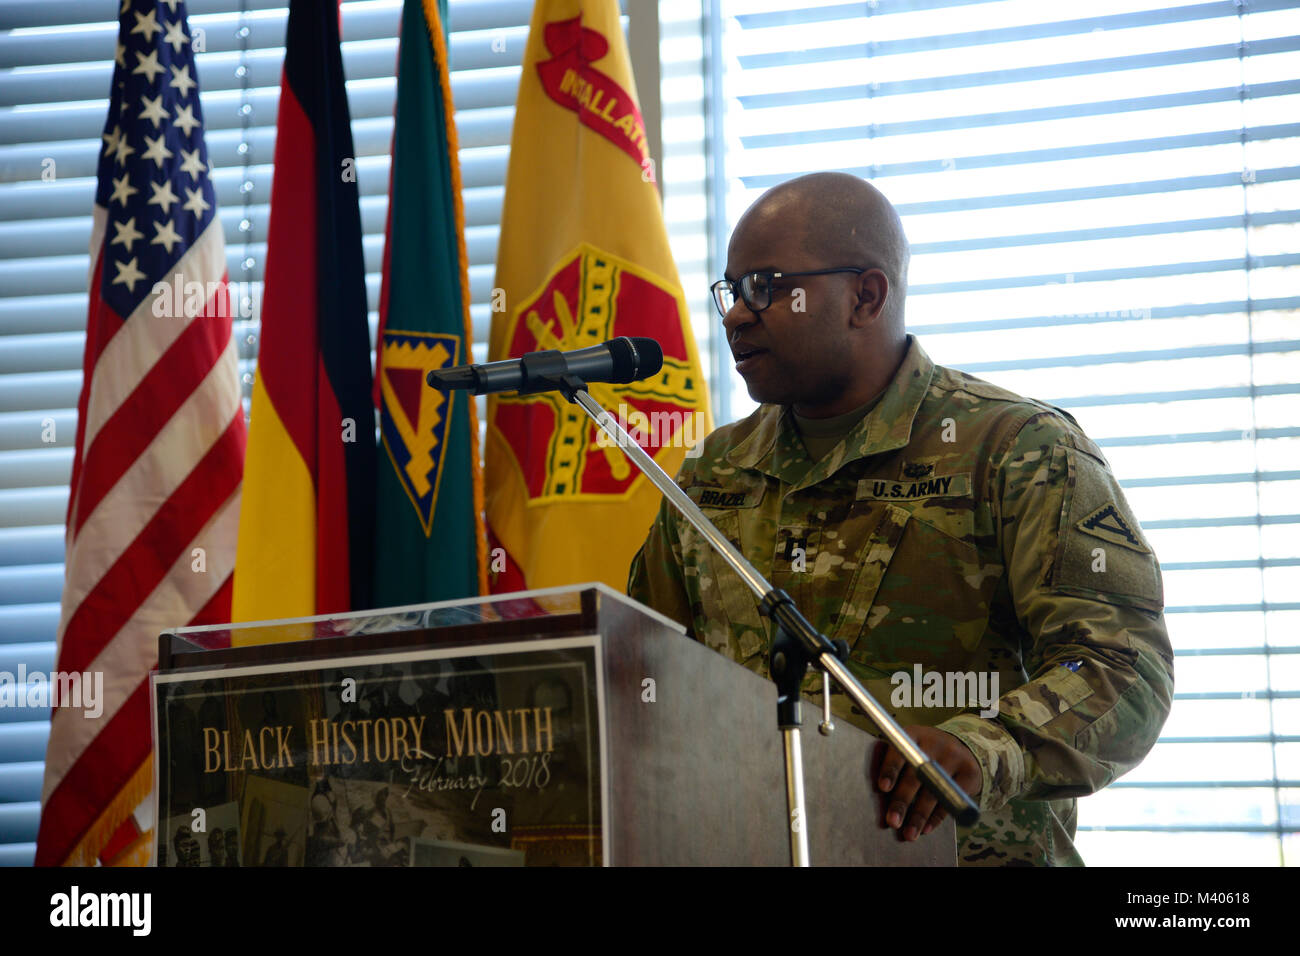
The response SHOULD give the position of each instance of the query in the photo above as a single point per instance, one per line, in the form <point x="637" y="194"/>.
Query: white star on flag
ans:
<point x="122" y="190"/>
<point x="148" y="65"/>
<point x="167" y="235"/>
<point x="192" y="164"/>
<point x="128" y="274"/>
<point x="176" y="35"/>
<point x="163" y="196"/>
<point x="158" y="150"/>
<point x="110" y="140"/>
<point x="181" y="80"/>
<point x="124" y="149"/>
<point x="196" y="203"/>
<point x="146" y="24"/>
<point x="127" y="234"/>
<point x="153" y="110"/>
<point x="185" y="119"/>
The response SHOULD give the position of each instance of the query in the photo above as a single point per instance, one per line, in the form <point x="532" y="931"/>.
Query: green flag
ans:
<point x="429" y="540"/>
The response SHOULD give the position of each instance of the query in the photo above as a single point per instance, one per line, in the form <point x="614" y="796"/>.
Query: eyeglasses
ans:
<point x="755" y="288"/>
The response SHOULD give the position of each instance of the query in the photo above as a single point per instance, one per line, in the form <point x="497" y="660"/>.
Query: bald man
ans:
<point x="971" y="546"/>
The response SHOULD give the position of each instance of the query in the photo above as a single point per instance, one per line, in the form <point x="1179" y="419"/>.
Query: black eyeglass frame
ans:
<point x="737" y="287"/>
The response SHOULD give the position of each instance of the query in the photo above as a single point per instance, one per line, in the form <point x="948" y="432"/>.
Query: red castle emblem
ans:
<point x="590" y="297"/>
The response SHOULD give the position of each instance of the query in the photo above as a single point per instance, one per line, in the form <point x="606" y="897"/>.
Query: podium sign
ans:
<point x="566" y="726"/>
<point x="428" y="757"/>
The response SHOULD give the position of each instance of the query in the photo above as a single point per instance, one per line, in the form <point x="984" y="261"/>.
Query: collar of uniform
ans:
<point x="775" y="448"/>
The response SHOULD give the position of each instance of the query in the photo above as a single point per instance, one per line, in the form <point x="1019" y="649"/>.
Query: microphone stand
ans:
<point x="795" y="645"/>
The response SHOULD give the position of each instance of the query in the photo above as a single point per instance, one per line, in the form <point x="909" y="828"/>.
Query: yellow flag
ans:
<point x="583" y="258"/>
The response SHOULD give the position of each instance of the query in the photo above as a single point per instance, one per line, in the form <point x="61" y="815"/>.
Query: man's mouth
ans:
<point x="745" y="355"/>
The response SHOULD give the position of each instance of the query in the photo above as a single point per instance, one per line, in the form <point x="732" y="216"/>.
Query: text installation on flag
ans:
<point x="583" y="258"/>
<point x="306" y="535"/>
<point x="430" y="544"/>
<point x="154" y="501"/>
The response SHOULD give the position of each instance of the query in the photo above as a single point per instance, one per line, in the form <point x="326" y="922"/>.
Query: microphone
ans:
<point x="619" y="361"/>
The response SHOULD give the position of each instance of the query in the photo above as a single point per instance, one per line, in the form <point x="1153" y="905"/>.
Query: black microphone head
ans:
<point x="446" y="379"/>
<point x="634" y="358"/>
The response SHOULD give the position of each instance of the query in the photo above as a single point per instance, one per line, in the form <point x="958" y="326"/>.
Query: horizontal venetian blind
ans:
<point x="1103" y="203"/>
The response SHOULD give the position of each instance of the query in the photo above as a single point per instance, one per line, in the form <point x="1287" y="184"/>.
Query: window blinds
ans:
<point x="1102" y="203"/>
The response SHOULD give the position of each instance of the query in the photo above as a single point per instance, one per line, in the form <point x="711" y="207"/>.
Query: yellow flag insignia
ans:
<point x="414" y="416"/>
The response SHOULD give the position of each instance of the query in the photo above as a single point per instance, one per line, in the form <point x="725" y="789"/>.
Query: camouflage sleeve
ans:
<point x="656" y="577"/>
<point x="1086" y="588"/>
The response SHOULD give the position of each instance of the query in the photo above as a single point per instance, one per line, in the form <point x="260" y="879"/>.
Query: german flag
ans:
<point x="306" y="541"/>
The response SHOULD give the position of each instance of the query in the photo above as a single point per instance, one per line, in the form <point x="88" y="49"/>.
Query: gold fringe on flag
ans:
<point x="139" y="853"/>
<point x="87" y="850"/>
<point x="433" y="22"/>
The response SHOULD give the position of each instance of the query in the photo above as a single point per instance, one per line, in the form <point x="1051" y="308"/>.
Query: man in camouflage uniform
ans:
<point x="926" y="518"/>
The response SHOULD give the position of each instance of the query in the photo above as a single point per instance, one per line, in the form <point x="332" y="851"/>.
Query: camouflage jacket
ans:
<point x="957" y="530"/>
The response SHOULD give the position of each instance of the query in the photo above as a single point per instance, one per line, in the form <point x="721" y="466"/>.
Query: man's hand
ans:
<point x="911" y="808"/>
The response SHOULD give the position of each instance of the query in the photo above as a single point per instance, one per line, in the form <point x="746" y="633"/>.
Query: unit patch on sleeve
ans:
<point x="1109" y="525"/>
<point x="1101" y="552"/>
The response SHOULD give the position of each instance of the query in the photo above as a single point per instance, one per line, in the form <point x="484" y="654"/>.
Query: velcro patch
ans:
<point x="1093" y="512"/>
<point x="940" y="486"/>
<point x="1109" y="525"/>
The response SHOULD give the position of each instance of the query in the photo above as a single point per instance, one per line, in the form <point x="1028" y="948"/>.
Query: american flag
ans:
<point x="154" y="498"/>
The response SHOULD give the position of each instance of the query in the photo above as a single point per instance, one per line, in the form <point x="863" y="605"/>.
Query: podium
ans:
<point x="568" y="726"/>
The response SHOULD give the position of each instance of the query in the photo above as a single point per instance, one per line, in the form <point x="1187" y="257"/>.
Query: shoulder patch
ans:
<point x="1109" y="525"/>
<point x="1101" y="552"/>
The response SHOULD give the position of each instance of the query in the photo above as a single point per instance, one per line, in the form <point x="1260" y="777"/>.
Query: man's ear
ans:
<point x="872" y="292"/>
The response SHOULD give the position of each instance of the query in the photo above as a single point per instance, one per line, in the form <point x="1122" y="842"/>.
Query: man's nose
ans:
<point x="738" y="316"/>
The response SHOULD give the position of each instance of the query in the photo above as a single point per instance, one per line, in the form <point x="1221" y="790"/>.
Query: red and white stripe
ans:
<point x="156" y="475"/>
